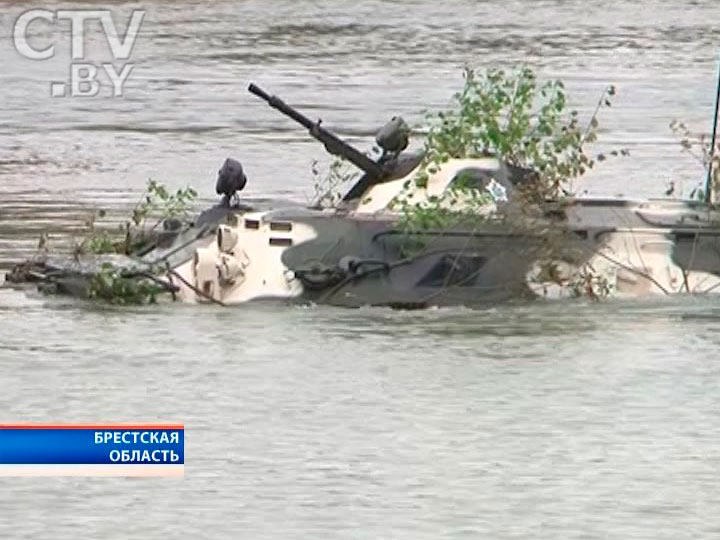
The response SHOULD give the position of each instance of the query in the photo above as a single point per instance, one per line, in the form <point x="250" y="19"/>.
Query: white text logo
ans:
<point x="83" y="75"/>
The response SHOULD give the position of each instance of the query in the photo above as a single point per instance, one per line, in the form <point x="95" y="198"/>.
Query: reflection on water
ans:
<point x="551" y="420"/>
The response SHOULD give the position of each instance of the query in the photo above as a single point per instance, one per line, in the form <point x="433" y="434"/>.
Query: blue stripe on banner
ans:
<point x="78" y="446"/>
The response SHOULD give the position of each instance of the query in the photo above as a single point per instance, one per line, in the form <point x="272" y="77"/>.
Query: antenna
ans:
<point x="708" y="180"/>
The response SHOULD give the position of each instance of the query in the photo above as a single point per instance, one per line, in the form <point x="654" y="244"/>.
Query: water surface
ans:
<point x="559" y="420"/>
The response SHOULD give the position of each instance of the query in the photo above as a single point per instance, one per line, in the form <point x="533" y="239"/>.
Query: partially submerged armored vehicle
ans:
<point x="363" y="250"/>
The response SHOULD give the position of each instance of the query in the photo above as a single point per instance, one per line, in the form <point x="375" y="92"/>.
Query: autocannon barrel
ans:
<point x="332" y="142"/>
<point x="277" y="103"/>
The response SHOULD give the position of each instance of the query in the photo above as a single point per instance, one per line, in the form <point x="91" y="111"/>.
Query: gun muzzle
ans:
<point x="259" y="92"/>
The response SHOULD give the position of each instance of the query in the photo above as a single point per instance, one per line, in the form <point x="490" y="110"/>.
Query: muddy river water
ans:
<point x="550" y="420"/>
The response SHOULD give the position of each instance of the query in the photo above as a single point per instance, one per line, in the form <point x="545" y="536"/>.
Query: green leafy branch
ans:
<point x="328" y="186"/>
<point x="160" y="203"/>
<point x="156" y="206"/>
<point x="526" y="124"/>
<point x="111" y="285"/>
<point x="513" y="117"/>
<point x="698" y="146"/>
